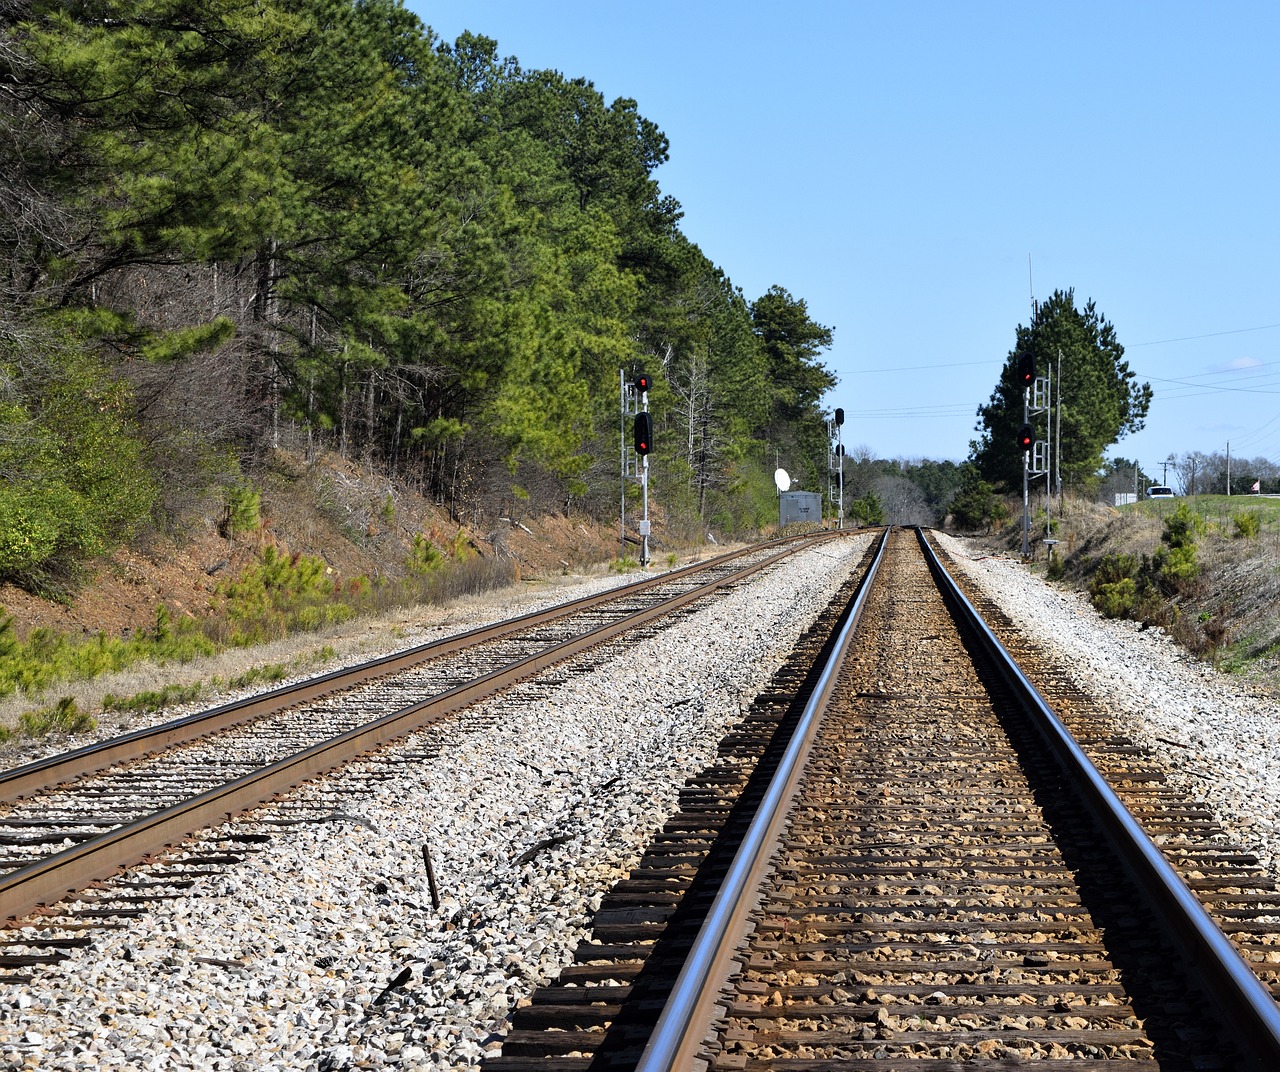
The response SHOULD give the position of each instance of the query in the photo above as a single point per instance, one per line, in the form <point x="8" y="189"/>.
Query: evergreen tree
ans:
<point x="797" y="380"/>
<point x="1101" y="402"/>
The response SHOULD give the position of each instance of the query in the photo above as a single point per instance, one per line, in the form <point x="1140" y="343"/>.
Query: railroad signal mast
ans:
<point x="635" y="452"/>
<point x="835" y="467"/>
<point x="1035" y="452"/>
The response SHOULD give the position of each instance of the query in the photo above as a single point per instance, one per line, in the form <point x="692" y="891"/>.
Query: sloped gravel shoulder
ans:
<point x="1220" y="738"/>
<point x="324" y="951"/>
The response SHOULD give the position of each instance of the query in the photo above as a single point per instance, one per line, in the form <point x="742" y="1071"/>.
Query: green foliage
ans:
<point x="268" y="674"/>
<point x="280" y="594"/>
<point x="1182" y="526"/>
<point x="1119" y="599"/>
<point x="975" y="504"/>
<point x="63" y="717"/>
<point x="46" y="656"/>
<point x="424" y="558"/>
<point x="75" y="482"/>
<point x="1248" y="524"/>
<point x="243" y="509"/>
<point x="1174" y="565"/>
<point x="152" y="700"/>
<point x="1123" y="587"/>
<point x="791" y="342"/>
<point x="1113" y="589"/>
<point x="425" y="255"/>
<point x="868" y="510"/>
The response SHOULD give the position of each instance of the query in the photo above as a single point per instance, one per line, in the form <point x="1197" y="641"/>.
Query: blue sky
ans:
<point x="914" y="170"/>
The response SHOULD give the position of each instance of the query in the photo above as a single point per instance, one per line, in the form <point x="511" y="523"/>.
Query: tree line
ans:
<point x="237" y="225"/>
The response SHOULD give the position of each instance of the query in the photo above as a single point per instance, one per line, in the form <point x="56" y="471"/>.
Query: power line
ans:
<point x="1211" y="335"/>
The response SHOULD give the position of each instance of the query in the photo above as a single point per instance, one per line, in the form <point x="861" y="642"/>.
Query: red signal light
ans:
<point x="643" y="433"/>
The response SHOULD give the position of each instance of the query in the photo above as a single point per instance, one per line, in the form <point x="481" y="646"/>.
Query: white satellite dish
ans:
<point x="781" y="478"/>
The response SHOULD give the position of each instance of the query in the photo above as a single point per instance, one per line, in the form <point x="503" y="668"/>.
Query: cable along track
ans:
<point x="77" y="818"/>
<point x="945" y="879"/>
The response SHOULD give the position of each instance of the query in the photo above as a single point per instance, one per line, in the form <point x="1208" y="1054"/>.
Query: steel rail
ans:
<point x="1240" y="995"/>
<point x="51" y="771"/>
<point x="686" y="1018"/>
<point x="50" y="879"/>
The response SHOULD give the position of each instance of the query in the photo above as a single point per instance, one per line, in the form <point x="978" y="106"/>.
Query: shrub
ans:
<point x="243" y="509"/>
<point x="280" y="593"/>
<point x="1175" y="568"/>
<point x="1113" y="589"/>
<point x="424" y="558"/>
<point x="1248" y="524"/>
<point x="62" y="717"/>
<point x="76" y="482"/>
<point x="152" y="700"/>
<point x="1118" y="599"/>
<point x="868" y="510"/>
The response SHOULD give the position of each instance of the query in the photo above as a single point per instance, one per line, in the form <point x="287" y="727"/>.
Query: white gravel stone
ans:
<point x="285" y="961"/>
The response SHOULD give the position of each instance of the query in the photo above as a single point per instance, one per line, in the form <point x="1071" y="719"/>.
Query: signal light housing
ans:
<point x="642" y="382"/>
<point x="1026" y="437"/>
<point x="643" y="433"/>
<point x="839" y="417"/>
<point x="1026" y="368"/>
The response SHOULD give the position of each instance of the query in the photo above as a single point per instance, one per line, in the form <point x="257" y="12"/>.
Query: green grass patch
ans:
<point x="1218" y="511"/>
<point x="63" y="717"/>
<point x="269" y="674"/>
<point x="47" y="656"/>
<point x="153" y="700"/>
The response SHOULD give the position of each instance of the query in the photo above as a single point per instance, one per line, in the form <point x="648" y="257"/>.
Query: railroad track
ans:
<point x="70" y="820"/>
<point x="920" y="866"/>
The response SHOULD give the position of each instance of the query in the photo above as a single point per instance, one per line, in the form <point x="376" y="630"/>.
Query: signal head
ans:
<point x="643" y="430"/>
<point x="642" y="382"/>
<point x="1026" y="437"/>
<point x="1026" y="368"/>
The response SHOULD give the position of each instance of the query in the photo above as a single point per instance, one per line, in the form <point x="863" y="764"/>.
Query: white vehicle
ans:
<point x="1159" y="491"/>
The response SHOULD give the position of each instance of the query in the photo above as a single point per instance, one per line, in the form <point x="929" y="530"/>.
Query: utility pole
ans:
<point x="1057" y="446"/>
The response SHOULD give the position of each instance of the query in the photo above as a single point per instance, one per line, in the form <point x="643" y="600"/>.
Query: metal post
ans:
<point x="644" y="524"/>
<point x="644" y="494"/>
<point x="1026" y="467"/>
<point x="1057" y="452"/>
<point x="1048" y="466"/>
<point x="622" y="444"/>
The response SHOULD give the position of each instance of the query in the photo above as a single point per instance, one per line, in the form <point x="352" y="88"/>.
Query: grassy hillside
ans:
<point x="1224" y="605"/>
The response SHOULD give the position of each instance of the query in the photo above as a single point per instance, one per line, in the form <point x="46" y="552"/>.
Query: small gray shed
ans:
<point x="796" y="506"/>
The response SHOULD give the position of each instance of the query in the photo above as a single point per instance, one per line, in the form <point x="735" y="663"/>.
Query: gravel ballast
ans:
<point x="531" y="807"/>
<point x="323" y="950"/>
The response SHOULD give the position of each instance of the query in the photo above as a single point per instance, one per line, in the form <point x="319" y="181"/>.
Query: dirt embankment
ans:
<point x="359" y="524"/>
<point x="1228" y="615"/>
